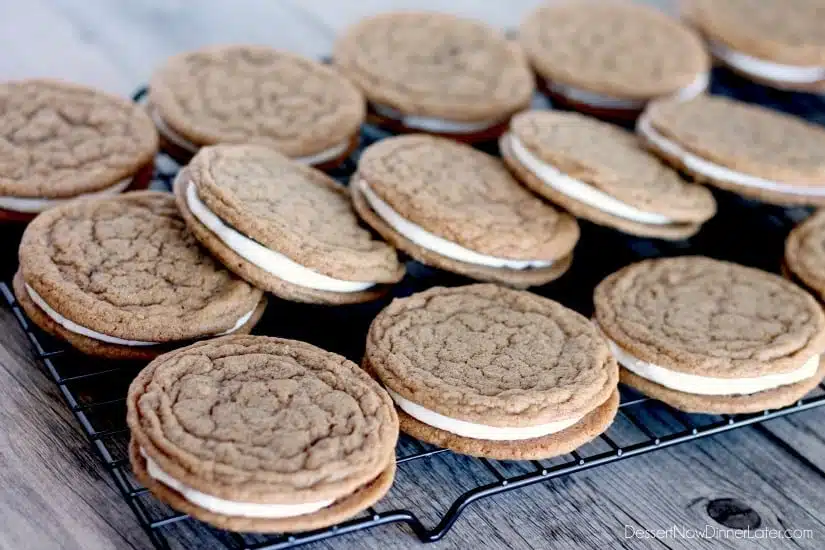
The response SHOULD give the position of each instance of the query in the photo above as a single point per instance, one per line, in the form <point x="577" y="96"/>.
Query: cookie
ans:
<point x="610" y="58"/>
<point x="779" y="43"/>
<point x="436" y="73"/>
<point x="285" y="227"/>
<point x="122" y="278"/>
<point x="744" y="148"/>
<point x="61" y="141"/>
<point x="259" y="434"/>
<point x="493" y="372"/>
<point x="602" y="173"/>
<point x="805" y="255"/>
<point x="708" y="336"/>
<point x="453" y="207"/>
<point x="256" y="95"/>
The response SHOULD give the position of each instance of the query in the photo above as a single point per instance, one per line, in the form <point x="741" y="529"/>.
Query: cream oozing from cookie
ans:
<point x="707" y="385"/>
<point x="479" y="431"/>
<point x="718" y="172"/>
<point x="230" y="507"/>
<point x="577" y="189"/>
<point x="71" y="326"/>
<point x="437" y="125"/>
<point x="578" y="95"/>
<point x="272" y="262"/>
<point x="434" y="243"/>
<point x="762" y="68"/>
<point x="30" y="205"/>
<point x="177" y="139"/>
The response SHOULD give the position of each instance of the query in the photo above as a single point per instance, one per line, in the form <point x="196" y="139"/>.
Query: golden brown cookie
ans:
<point x="710" y="336"/>
<point x="285" y="227"/>
<point x="125" y="273"/>
<point x="60" y="141"/>
<point x="602" y="173"/>
<point x="494" y="372"/>
<point x="260" y="434"/>
<point x="779" y="43"/>
<point x="805" y="254"/>
<point x="256" y="94"/>
<point x="456" y="208"/>
<point x="612" y="56"/>
<point x="436" y="73"/>
<point x="751" y="150"/>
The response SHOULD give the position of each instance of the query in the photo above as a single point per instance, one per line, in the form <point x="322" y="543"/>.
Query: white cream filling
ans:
<point x="430" y="124"/>
<point x="270" y="261"/>
<point x="89" y="333"/>
<point x="762" y="68"/>
<point x="171" y="135"/>
<point x="699" y="85"/>
<point x="35" y="206"/>
<point x="425" y="239"/>
<point x="577" y="189"/>
<point x="478" y="431"/>
<point x="230" y="507"/>
<point x="706" y="385"/>
<point x="717" y="171"/>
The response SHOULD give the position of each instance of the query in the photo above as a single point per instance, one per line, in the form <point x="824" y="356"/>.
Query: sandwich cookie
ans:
<point x="604" y="174"/>
<point x="61" y="141"/>
<point x="713" y="337"/>
<point x="255" y="94"/>
<point x="285" y="227"/>
<point x="779" y="43"/>
<point x="436" y="73"/>
<point x="453" y="207"/>
<point x="747" y="149"/>
<point x="259" y="434"/>
<point x="610" y="58"/>
<point x="122" y="278"/>
<point x="805" y="255"/>
<point x="493" y="372"/>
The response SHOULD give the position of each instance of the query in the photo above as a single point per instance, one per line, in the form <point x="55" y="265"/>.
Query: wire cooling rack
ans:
<point x="744" y="231"/>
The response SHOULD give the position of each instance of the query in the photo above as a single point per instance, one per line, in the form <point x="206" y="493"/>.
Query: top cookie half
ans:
<point x="60" y="140"/>
<point x="436" y="65"/>
<point x="255" y="94"/>
<point x="613" y="48"/>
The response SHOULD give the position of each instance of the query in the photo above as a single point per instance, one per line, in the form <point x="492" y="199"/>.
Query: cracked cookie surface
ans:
<point x="292" y="209"/>
<point x="710" y="318"/>
<point x="745" y="137"/>
<point x="805" y="253"/>
<point x="790" y="32"/>
<point x="612" y="48"/>
<point x="60" y="140"/>
<point x="265" y="420"/>
<point x="467" y="197"/>
<point x="491" y="355"/>
<point x="435" y="64"/>
<point x="256" y="94"/>
<point x="127" y="267"/>
<point x="612" y="160"/>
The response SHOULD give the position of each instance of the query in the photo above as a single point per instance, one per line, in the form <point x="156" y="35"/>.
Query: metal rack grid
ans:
<point x="95" y="389"/>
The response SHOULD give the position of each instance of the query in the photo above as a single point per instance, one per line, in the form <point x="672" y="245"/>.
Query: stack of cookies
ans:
<point x="779" y="43"/>
<point x="609" y="58"/>
<point x="255" y="94"/>
<point x="62" y="141"/>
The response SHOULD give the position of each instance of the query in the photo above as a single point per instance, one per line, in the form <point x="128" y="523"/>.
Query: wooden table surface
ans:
<point x="55" y="494"/>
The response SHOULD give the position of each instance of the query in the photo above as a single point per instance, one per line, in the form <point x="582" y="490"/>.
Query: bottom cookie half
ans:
<point x="593" y="424"/>
<point x="341" y="510"/>
<point x="776" y="398"/>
